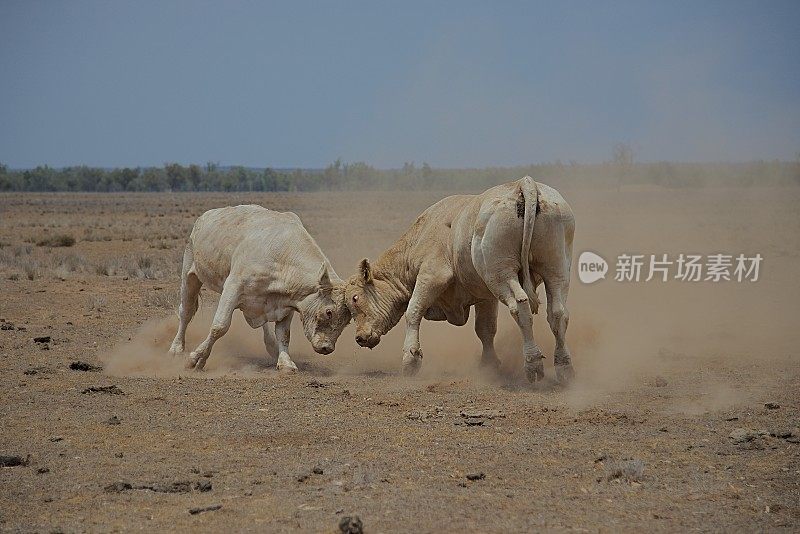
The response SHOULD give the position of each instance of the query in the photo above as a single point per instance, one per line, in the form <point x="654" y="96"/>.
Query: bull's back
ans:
<point x="221" y="234"/>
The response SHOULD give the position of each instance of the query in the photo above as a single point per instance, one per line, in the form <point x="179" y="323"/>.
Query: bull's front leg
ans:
<point x="427" y="289"/>
<point x="228" y="301"/>
<point x="282" y="334"/>
<point x="486" y="328"/>
<point x="270" y="342"/>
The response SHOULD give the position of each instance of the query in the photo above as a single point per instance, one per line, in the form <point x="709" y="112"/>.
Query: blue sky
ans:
<point x="451" y="83"/>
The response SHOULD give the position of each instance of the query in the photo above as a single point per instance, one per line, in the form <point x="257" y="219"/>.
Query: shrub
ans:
<point x="31" y="268"/>
<point x="61" y="240"/>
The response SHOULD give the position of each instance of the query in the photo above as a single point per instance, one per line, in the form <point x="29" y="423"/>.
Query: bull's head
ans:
<point x="372" y="305"/>
<point x="325" y="313"/>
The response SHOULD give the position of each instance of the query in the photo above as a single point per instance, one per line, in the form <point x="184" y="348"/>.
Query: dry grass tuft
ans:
<point x="161" y="299"/>
<point x="60" y="240"/>
<point x="97" y="302"/>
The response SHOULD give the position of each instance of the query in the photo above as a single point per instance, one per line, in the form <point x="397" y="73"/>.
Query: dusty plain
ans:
<point x="683" y="416"/>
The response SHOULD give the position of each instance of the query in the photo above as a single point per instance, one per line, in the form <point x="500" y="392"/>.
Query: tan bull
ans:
<point x="474" y="250"/>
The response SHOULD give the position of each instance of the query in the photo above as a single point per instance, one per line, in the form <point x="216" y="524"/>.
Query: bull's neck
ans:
<point x="395" y="283"/>
<point x="303" y="282"/>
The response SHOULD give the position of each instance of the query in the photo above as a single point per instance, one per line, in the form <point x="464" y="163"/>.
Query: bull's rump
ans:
<point x="451" y="230"/>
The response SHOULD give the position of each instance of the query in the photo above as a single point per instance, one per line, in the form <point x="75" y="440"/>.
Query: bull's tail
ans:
<point x="529" y="202"/>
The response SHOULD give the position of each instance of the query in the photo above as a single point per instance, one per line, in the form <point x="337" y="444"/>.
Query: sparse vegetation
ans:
<point x="96" y="302"/>
<point x="31" y="269"/>
<point x="620" y="170"/>
<point x="60" y="240"/>
<point x="165" y="299"/>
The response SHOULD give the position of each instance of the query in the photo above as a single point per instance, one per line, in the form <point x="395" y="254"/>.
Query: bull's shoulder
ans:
<point x="443" y="212"/>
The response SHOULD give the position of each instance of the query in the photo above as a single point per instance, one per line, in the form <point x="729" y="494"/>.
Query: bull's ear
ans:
<point x="325" y="277"/>
<point x="366" y="271"/>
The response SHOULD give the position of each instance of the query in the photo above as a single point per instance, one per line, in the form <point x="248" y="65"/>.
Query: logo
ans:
<point x="663" y="267"/>
<point x="591" y="267"/>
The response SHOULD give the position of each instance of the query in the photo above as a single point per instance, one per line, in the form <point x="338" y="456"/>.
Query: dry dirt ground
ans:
<point x="683" y="415"/>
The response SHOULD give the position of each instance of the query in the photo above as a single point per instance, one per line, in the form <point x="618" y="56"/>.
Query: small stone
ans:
<point x="476" y="476"/>
<point x="56" y="438"/>
<point x="351" y="525"/>
<point x="84" y="366"/>
<point x="42" y="470"/>
<point x="743" y="435"/>
<point x="118" y="487"/>
<point x="14" y="461"/>
<point x="200" y="510"/>
<point x="771" y="405"/>
<point x="110" y="390"/>
<point x="317" y="470"/>
<point x="481" y="414"/>
<point x="42" y="339"/>
<point x="113" y="420"/>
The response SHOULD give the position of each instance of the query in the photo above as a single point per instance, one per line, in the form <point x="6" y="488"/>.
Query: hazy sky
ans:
<point x="451" y="83"/>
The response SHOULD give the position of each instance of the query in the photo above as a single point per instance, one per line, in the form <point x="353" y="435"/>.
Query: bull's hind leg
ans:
<point x="486" y="328"/>
<point x="557" y="288"/>
<point x="190" y="291"/>
<point x="282" y="333"/>
<point x="517" y="301"/>
<point x="228" y="301"/>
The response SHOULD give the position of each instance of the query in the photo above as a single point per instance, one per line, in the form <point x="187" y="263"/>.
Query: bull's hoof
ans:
<point x="490" y="362"/>
<point x="412" y="361"/>
<point x="534" y="365"/>
<point x="565" y="374"/>
<point x="196" y="362"/>
<point x="286" y="365"/>
<point x="176" y="350"/>
<point x="534" y="371"/>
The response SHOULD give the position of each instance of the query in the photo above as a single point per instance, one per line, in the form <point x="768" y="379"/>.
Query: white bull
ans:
<point x="476" y="250"/>
<point x="266" y="264"/>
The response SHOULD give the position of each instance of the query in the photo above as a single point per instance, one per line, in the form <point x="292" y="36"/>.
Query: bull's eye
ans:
<point x="329" y="313"/>
<point x="355" y="298"/>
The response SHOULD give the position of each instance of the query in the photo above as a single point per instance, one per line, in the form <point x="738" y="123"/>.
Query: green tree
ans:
<point x="176" y="176"/>
<point x="194" y="174"/>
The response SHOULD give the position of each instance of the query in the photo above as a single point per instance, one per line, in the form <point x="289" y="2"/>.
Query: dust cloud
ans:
<point x="622" y="335"/>
<point x="240" y="352"/>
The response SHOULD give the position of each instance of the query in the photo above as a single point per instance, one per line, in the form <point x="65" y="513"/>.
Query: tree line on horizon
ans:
<point x="361" y="176"/>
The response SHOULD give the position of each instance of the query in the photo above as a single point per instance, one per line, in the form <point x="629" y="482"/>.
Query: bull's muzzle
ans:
<point x="323" y="348"/>
<point x="368" y="341"/>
